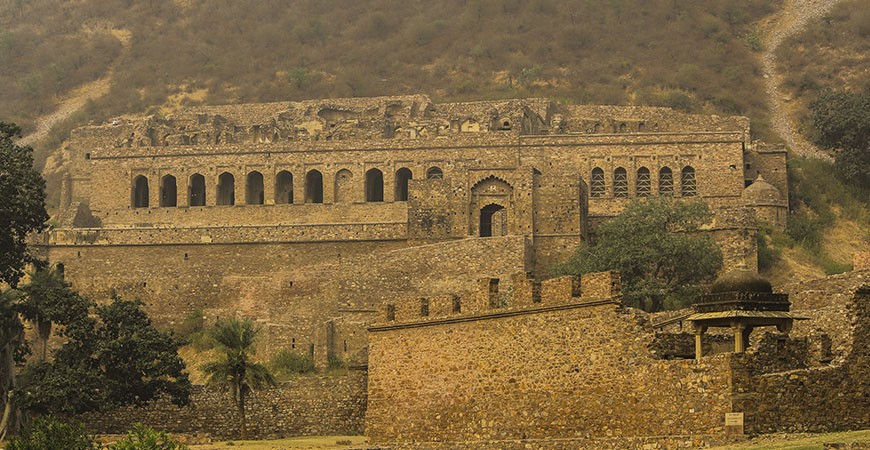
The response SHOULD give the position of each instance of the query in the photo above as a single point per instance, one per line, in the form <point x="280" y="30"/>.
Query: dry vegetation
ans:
<point x="833" y="53"/>
<point x="696" y="56"/>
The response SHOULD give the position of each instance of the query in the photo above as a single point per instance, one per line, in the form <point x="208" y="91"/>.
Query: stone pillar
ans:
<point x="740" y="336"/>
<point x="239" y="188"/>
<point x="211" y="189"/>
<point x="182" y="182"/>
<point x="389" y="184"/>
<point x="299" y="186"/>
<point x="154" y="190"/>
<point x="699" y="348"/>
<point x="269" y="187"/>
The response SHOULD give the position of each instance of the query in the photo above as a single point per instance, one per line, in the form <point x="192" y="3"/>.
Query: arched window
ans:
<point x="168" y="191"/>
<point x="434" y="173"/>
<point x="643" y="182"/>
<point x="374" y="185"/>
<point x="196" y="190"/>
<point x="314" y="187"/>
<point x="620" y="183"/>
<point x="226" y="189"/>
<point x="140" y="192"/>
<point x="344" y="189"/>
<point x="666" y="181"/>
<point x="688" y="184"/>
<point x="597" y="187"/>
<point x="284" y="188"/>
<point x="254" y="189"/>
<point x="403" y="176"/>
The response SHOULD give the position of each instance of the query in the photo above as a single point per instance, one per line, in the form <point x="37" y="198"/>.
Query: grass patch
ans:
<point x="799" y="442"/>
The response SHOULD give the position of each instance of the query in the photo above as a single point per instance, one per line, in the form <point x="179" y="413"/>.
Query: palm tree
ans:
<point x="11" y="337"/>
<point x="235" y="370"/>
<point x="46" y="296"/>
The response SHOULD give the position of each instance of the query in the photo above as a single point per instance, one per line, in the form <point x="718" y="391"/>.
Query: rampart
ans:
<point x="560" y="365"/>
<point x="556" y="370"/>
<point x="305" y="406"/>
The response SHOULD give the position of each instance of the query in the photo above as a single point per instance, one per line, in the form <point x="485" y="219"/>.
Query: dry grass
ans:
<point x="800" y="441"/>
<point x="315" y="442"/>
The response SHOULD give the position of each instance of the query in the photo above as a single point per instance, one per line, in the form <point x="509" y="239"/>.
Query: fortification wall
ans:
<point x="305" y="406"/>
<point x="507" y="367"/>
<point x="816" y="399"/>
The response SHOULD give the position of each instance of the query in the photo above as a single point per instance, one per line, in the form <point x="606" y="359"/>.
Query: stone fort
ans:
<point x="308" y="215"/>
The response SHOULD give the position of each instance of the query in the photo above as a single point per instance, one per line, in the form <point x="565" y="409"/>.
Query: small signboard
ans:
<point x="734" y="423"/>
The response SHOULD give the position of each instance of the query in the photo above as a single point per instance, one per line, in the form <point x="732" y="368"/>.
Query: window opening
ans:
<point x="284" y="188"/>
<point x="688" y="183"/>
<point x="597" y="187"/>
<point x="314" y="187"/>
<point x="492" y="220"/>
<point x="666" y="181"/>
<point x="374" y="186"/>
<point x="643" y="182"/>
<point x="620" y="183"/>
<point x="168" y="191"/>
<point x="403" y="176"/>
<point x="140" y="192"/>
<point x="196" y="190"/>
<point x="434" y="173"/>
<point x="226" y="189"/>
<point x="254" y="189"/>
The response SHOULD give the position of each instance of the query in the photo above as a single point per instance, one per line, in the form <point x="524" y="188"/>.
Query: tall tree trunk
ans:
<point x="242" y="414"/>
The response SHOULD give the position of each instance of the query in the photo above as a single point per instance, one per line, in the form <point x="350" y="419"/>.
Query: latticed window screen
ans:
<point x="643" y="182"/>
<point x="597" y="186"/>
<point x="666" y="181"/>
<point x="688" y="184"/>
<point x="620" y="183"/>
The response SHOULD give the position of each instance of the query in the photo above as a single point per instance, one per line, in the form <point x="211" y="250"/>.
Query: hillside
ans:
<point x="697" y="56"/>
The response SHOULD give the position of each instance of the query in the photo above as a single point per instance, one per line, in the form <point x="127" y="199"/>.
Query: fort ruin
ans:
<point x="305" y="215"/>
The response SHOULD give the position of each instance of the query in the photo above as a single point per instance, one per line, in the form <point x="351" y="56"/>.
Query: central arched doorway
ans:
<point x="493" y="220"/>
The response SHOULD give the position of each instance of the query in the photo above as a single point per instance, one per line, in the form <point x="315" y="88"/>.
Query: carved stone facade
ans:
<point x="308" y="214"/>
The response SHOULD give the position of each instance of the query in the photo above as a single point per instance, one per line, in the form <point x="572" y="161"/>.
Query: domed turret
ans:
<point x="740" y="280"/>
<point x="761" y="193"/>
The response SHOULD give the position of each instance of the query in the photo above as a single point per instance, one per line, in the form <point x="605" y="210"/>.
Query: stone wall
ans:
<point x="305" y="406"/>
<point x="567" y="366"/>
<point x="816" y="399"/>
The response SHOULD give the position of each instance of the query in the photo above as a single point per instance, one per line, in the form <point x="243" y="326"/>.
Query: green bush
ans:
<point x="144" y="438"/>
<point x="286" y="364"/>
<point x="767" y="255"/>
<point x="51" y="434"/>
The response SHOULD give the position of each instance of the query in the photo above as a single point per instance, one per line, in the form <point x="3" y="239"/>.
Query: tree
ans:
<point x="11" y="341"/>
<point x="22" y="209"/>
<point x="654" y="245"/>
<point x="48" y="299"/>
<point x="115" y="359"/>
<point x="842" y="121"/>
<point x="235" y="370"/>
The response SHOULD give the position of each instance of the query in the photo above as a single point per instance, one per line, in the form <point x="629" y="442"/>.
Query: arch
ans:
<point x="139" y="197"/>
<point x="314" y="187"/>
<point x="493" y="220"/>
<point x="284" y="188"/>
<point x="168" y="191"/>
<point x="344" y="189"/>
<point x="643" y="182"/>
<point x="597" y="187"/>
<point x="374" y="185"/>
<point x="666" y="181"/>
<point x="196" y="190"/>
<point x="254" y="189"/>
<point x="434" y="173"/>
<point x="620" y="183"/>
<point x="688" y="183"/>
<point x="226" y="189"/>
<point x="403" y="176"/>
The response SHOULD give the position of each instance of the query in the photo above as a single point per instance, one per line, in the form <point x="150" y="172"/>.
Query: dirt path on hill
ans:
<point x="77" y="98"/>
<point x="793" y="19"/>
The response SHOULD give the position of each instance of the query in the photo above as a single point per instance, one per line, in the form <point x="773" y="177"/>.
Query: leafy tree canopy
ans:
<point x="653" y="244"/>
<point x="22" y="209"/>
<point x="842" y="121"/>
<point x="115" y="359"/>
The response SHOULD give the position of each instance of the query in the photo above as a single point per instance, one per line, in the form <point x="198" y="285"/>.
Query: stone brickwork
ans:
<point x="307" y="214"/>
<point x="571" y="367"/>
<point x="558" y="365"/>
<point x="796" y="398"/>
<point x="306" y="406"/>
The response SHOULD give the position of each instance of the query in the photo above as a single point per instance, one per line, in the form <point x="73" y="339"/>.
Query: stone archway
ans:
<point x="491" y="208"/>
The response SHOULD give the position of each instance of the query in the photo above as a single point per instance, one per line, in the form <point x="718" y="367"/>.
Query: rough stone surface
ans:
<point x="306" y="406"/>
